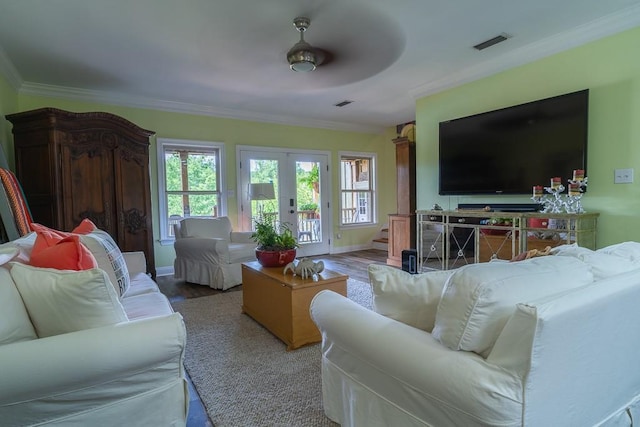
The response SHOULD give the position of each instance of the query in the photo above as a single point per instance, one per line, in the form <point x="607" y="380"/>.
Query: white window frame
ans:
<point x="374" y="188"/>
<point x="164" y="143"/>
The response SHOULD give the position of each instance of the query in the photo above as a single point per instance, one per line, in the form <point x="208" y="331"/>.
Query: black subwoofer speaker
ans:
<point x="410" y="261"/>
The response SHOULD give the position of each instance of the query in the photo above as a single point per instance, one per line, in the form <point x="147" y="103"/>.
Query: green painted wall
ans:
<point x="610" y="69"/>
<point x="237" y="132"/>
<point x="8" y="104"/>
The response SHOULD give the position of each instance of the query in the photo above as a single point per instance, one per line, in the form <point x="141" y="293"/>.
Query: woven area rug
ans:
<point x="243" y="373"/>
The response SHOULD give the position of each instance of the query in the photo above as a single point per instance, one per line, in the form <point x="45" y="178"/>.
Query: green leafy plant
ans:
<point x="308" y="207"/>
<point x="270" y="237"/>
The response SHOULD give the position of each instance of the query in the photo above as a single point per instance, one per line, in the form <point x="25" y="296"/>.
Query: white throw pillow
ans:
<point x="408" y="298"/>
<point x="62" y="301"/>
<point x="24" y="245"/>
<point x="109" y="258"/>
<point x="627" y="250"/>
<point x="15" y="325"/>
<point x="478" y="299"/>
<point x="602" y="264"/>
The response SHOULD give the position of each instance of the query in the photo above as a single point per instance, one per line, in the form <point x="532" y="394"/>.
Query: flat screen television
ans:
<point x="510" y="150"/>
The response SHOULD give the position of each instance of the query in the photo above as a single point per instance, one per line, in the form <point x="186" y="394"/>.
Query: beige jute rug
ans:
<point x="243" y="373"/>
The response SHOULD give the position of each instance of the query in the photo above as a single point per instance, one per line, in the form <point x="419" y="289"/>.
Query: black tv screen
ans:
<point x="510" y="150"/>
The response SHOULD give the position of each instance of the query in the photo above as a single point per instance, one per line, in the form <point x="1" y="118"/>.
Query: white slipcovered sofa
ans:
<point x="73" y="351"/>
<point x="209" y="252"/>
<point x="550" y="341"/>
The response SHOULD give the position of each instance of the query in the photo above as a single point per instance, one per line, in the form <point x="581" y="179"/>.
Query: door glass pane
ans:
<point x="308" y="197"/>
<point x="263" y="190"/>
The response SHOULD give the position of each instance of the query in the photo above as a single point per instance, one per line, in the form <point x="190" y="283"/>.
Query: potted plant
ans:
<point x="276" y="244"/>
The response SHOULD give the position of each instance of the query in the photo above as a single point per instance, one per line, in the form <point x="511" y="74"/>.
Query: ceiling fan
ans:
<point x="302" y="56"/>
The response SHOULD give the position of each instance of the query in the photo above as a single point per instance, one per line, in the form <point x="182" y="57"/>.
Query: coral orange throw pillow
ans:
<point x="60" y="250"/>
<point x="85" y="227"/>
<point x="66" y="254"/>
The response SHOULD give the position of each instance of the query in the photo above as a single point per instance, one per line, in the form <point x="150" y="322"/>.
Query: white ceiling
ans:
<point x="227" y="58"/>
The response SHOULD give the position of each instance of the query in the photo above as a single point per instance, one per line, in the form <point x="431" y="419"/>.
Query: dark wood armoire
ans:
<point x="86" y="165"/>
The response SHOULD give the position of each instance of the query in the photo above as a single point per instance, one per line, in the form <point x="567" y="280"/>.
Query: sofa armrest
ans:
<point x="203" y="249"/>
<point x="242" y="237"/>
<point x="408" y="368"/>
<point x="89" y="369"/>
<point x="136" y="262"/>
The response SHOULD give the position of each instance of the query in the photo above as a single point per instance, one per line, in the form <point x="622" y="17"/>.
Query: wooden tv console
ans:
<point x="450" y="239"/>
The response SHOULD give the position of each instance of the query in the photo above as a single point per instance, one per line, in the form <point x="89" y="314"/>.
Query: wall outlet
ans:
<point x="623" y="176"/>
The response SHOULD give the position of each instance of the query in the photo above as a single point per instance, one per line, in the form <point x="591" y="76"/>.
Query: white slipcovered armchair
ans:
<point x="209" y="253"/>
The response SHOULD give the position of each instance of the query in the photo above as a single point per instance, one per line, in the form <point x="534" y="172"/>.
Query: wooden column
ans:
<point x="402" y="224"/>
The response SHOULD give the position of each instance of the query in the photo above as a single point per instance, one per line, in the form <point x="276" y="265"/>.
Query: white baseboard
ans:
<point x="380" y="246"/>
<point x="168" y="270"/>
<point x="164" y="271"/>
<point x="343" y="249"/>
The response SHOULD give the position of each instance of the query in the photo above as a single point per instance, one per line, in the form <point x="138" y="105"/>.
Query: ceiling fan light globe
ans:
<point x="302" y="60"/>
<point x="303" y="66"/>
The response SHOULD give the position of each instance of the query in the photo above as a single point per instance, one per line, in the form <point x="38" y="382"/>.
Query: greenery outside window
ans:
<point x="357" y="188"/>
<point x="189" y="182"/>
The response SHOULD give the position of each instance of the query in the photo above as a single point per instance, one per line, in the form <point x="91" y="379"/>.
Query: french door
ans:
<point x="290" y="188"/>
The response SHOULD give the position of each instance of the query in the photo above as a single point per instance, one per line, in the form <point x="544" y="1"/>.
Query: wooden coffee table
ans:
<point x="281" y="302"/>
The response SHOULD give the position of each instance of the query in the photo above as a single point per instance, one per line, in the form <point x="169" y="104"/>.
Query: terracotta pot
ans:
<point x="275" y="258"/>
<point x="539" y="222"/>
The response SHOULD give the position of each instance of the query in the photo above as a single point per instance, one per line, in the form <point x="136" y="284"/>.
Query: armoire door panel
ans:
<point x="134" y="212"/>
<point x="87" y="185"/>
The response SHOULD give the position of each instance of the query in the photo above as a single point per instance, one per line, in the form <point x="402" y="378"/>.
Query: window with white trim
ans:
<point x="189" y="182"/>
<point x="357" y="188"/>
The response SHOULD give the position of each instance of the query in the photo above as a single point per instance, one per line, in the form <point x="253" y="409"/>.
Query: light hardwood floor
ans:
<point x="353" y="264"/>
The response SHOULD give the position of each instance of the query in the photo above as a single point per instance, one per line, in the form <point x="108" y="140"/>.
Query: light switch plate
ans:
<point x="623" y="176"/>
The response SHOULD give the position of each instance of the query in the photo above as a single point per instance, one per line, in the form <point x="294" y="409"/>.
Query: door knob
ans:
<point x="292" y="211"/>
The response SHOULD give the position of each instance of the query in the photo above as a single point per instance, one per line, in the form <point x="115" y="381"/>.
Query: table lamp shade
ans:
<point x="261" y="191"/>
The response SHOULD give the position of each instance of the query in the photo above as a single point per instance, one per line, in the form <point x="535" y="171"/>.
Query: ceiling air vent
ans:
<point x="488" y="43"/>
<point x="343" y="103"/>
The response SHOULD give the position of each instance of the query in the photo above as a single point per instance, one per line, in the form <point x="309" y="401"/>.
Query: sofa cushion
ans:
<point x="478" y="299"/>
<point x="206" y="227"/>
<point x="602" y="264"/>
<point x="146" y="305"/>
<point x="141" y="283"/>
<point x="61" y="301"/>
<point x="109" y="258"/>
<point x="408" y="298"/>
<point x="15" y="325"/>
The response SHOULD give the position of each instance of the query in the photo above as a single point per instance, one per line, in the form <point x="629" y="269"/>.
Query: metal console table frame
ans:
<point x="439" y="247"/>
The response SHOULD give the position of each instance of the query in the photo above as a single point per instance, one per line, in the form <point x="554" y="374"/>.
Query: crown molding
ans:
<point x="611" y="24"/>
<point x="623" y="20"/>
<point x="87" y="95"/>
<point x="9" y="71"/>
